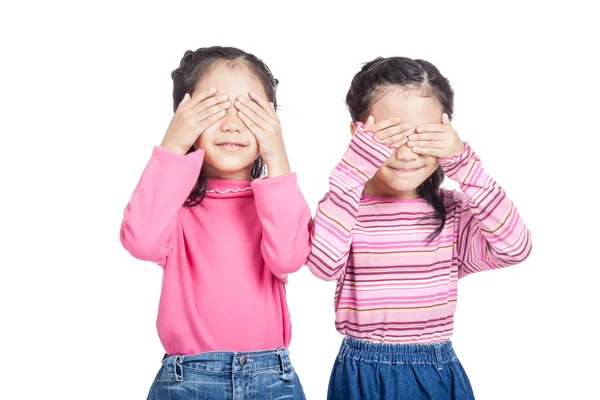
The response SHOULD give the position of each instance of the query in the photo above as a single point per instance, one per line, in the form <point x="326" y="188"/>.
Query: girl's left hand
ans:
<point x="439" y="140"/>
<point x="260" y="118"/>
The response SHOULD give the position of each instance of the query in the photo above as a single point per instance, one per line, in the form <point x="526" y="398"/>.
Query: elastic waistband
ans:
<point x="228" y="362"/>
<point x="409" y="353"/>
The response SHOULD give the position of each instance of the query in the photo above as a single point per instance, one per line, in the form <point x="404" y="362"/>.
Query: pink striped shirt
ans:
<point x="393" y="285"/>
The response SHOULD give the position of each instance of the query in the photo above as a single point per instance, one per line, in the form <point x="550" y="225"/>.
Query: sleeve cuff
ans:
<point x="195" y="158"/>
<point x="261" y="184"/>
<point x="466" y="154"/>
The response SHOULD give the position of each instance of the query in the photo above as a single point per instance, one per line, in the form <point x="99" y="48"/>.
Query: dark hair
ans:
<point x="193" y="67"/>
<point x="372" y="83"/>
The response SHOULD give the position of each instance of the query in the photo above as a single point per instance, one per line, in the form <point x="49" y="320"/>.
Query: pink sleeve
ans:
<point x="285" y="219"/>
<point x="150" y="217"/>
<point x="491" y="233"/>
<point x="331" y="236"/>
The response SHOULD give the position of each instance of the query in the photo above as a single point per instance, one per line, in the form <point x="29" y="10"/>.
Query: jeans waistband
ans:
<point x="409" y="353"/>
<point x="228" y="362"/>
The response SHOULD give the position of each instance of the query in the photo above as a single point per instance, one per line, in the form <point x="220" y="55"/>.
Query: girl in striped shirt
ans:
<point x="397" y="244"/>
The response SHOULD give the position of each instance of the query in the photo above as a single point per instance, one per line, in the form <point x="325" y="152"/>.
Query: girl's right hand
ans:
<point x="391" y="131"/>
<point x="193" y="116"/>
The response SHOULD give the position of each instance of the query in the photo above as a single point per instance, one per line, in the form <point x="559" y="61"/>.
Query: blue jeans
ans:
<point x="220" y="375"/>
<point x="368" y="370"/>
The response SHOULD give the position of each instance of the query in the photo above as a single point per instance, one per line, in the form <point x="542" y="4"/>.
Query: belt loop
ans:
<point x="284" y="366"/>
<point x="174" y="365"/>
<point x="437" y="355"/>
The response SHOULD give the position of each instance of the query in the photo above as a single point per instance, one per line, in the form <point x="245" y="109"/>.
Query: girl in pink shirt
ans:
<point x="397" y="244"/>
<point x="219" y="210"/>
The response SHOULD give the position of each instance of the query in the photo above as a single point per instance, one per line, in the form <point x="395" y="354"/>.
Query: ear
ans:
<point x="352" y="128"/>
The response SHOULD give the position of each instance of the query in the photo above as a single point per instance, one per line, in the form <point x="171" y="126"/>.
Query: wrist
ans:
<point x="174" y="148"/>
<point x="456" y="151"/>
<point x="277" y="168"/>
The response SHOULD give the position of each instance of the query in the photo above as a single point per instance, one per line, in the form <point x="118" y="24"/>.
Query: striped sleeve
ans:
<point x="331" y="235"/>
<point x="491" y="233"/>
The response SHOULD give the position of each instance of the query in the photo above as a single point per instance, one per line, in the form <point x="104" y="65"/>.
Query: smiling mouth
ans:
<point x="406" y="170"/>
<point x="230" y="146"/>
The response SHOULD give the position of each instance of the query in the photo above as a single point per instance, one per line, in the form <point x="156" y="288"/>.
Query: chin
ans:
<point x="229" y="162"/>
<point x="403" y="182"/>
<point x="404" y="186"/>
<point x="230" y="167"/>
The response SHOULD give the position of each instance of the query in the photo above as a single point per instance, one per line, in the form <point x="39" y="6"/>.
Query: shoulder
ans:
<point x="454" y="200"/>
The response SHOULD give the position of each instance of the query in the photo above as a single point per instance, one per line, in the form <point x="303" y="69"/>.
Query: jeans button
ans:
<point x="242" y="360"/>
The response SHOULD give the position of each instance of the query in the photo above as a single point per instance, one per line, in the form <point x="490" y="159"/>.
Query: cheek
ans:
<point x="431" y="164"/>
<point x="206" y="138"/>
<point x="382" y="173"/>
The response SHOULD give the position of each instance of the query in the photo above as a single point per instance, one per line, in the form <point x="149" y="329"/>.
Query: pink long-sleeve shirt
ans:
<point x="224" y="261"/>
<point x="393" y="285"/>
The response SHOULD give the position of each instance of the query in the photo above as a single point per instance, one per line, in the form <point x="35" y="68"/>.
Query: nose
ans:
<point x="231" y="122"/>
<point x="405" y="153"/>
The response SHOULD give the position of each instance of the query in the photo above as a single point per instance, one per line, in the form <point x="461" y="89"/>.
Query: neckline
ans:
<point x="418" y="200"/>
<point x="227" y="187"/>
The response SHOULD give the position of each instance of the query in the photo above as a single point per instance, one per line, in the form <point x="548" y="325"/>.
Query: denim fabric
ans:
<point x="368" y="370"/>
<point x="264" y="375"/>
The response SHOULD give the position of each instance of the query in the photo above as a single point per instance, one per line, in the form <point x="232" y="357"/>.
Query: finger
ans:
<point x="385" y="124"/>
<point x="432" y="128"/>
<point x="250" y="113"/>
<point x="389" y="134"/>
<point x="273" y="112"/>
<point x="264" y="104"/>
<point x="445" y="119"/>
<point x="255" y="107"/>
<point x="201" y="96"/>
<point x="209" y="102"/>
<point x="210" y="111"/>
<point x="427" y="136"/>
<point x="427" y="152"/>
<point x="205" y="123"/>
<point x="398" y="134"/>
<point x="255" y="129"/>
<point x="427" y="144"/>
<point x="185" y="99"/>
<point x="400" y="143"/>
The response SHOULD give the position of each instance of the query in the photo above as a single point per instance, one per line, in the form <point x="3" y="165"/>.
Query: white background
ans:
<point x="85" y="93"/>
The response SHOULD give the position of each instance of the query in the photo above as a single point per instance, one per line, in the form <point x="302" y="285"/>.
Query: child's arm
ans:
<point x="285" y="219"/>
<point x="331" y="236"/>
<point x="491" y="233"/>
<point x="151" y="215"/>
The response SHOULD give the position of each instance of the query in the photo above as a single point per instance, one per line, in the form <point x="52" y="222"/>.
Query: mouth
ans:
<point x="405" y="171"/>
<point x="231" y="146"/>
